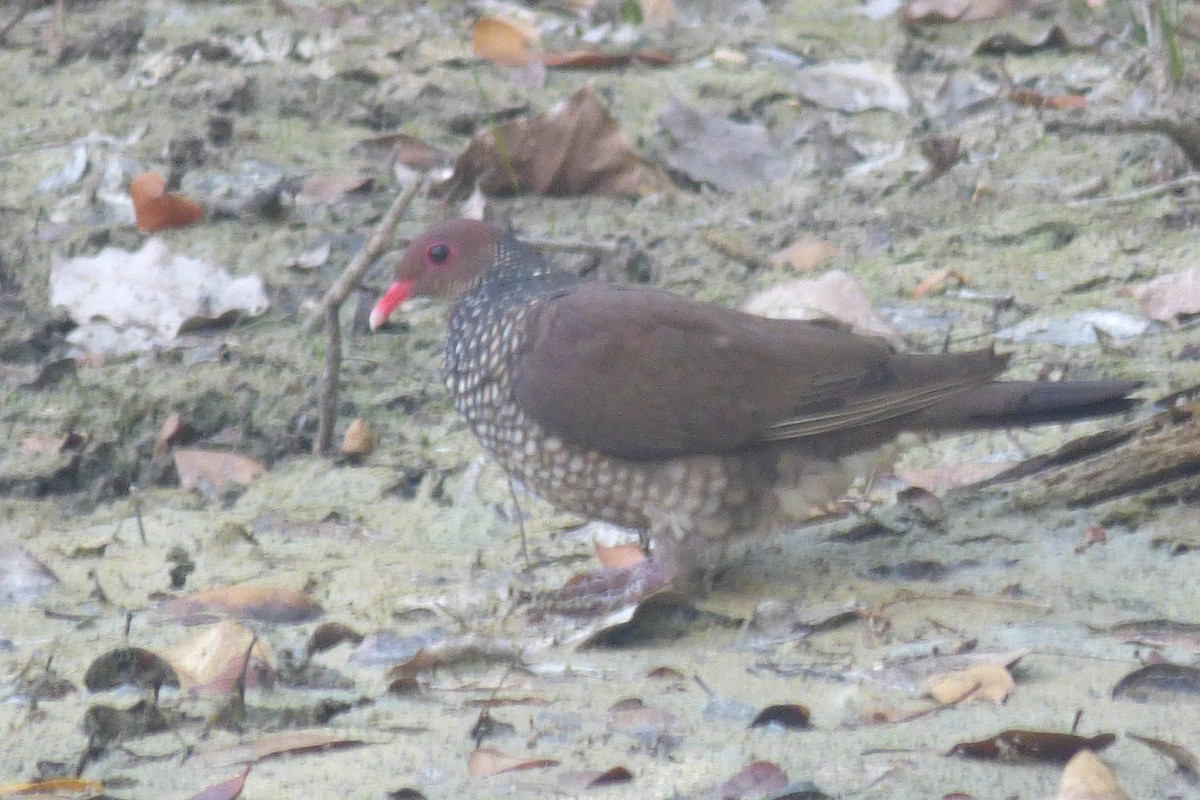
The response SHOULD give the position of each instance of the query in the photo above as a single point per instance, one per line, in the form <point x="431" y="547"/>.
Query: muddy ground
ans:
<point x="418" y="535"/>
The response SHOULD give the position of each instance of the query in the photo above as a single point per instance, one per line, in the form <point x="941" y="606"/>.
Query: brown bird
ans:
<point x="693" y="423"/>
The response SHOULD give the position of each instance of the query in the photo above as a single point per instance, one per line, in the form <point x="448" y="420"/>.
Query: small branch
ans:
<point x="365" y="258"/>
<point x="328" y="391"/>
<point x="1148" y="193"/>
<point x="331" y="304"/>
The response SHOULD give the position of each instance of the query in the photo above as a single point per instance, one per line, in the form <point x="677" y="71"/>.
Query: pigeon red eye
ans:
<point x="438" y="253"/>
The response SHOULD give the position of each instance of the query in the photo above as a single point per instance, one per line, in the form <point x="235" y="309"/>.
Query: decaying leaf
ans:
<point x="805" y="254"/>
<point x="1185" y="760"/>
<point x="503" y="41"/>
<point x="937" y="280"/>
<point x="1022" y="96"/>
<point x="129" y="666"/>
<point x="652" y="727"/>
<point x="359" y="439"/>
<point x="710" y="148"/>
<point x="1159" y="682"/>
<point x="1002" y="44"/>
<point x="325" y="187"/>
<point x="151" y="293"/>
<point x="225" y="790"/>
<point x="157" y="209"/>
<point x="981" y="682"/>
<point x="573" y="149"/>
<point x="216" y="654"/>
<point x="852" y="86"/>
<point x="215" y="470"/>
<point x="1037" y="746"/>
<point x="792" y="716"/>
<point x="833" y="296"/>
<point x="1169" y="298"/>
<point x="274" y="744"/>
<point x="459" y="649"/>
<point x="262" y="603"/>
<point x="1086" y="777"/>
<point x="756" y="781"/>
<point x="486" y="762"/>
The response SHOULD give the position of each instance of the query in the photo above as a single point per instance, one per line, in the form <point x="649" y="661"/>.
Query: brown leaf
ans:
<point x="619" y="556"/>
<point x="792" y="716"/>
<point x="1002" y="44"/>
<point x="1034" y="99"/>
<point x="388" y="148"/>
<point x="325" y="187"/>
<point x="1039" y="746"/>
<point x="487" y="762"/>
<point x="174" y="431"/>
<point x="936" y="280"/>
<point x="214" y="656"/>
<point x="1086" y="777"/>
<point x="805" y="255"/>
<point x="574" y="149"/>
<point x="358" y="440"/>
<point x="329" y="635"/>
<point x="833" y="296"/>
<point x="262" y="603"/>
<point x="981" y="682"/>
<point x="1169" y="298"/>
<point x="129" y="666"/>
<point x="759" y="779"/>
<point x="225" y="790"/>
<point x="157" y="209"/>
<point x="215" y="470"/>
<point x="1185" y="760"/>
<point x="505" y="42"/>
<point x="273" y="744"/>
<point x="1159" y="682"/>
<point x="458" y="649"/>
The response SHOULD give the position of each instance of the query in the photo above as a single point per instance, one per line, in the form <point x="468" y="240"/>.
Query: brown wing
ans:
<point x="639" y="373"/>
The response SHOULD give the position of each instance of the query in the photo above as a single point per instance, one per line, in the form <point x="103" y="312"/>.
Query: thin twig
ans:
<point x="328" y="391"/>
<point x="365" y="258"/>
<point x="1141" y="194"/>
<point x="331" y="303"/>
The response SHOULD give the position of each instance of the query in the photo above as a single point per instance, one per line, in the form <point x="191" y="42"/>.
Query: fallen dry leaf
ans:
<point x="157" y="209"/>
<point x="1034" y="99"/>
<point x="273" y="744"/>
<point x="1086" y="777"/>
<point x="833" y="296"/>
<point x="225" y="790"/>
<point x="206" y="655"/>
<point x="759" y="779"/>
<point x="23" y="579"/>
<point x="1168" y="298"/>
<point x="983" y="682"/>
<point x="619" y="556"/>
<point x="487" y="762"/>
<point x="263" y="603"/>
<point x="215" y="470"/>
<point x="505" y="42"/>
<point x="575" y="148"/>
<point x="1185" y="760"/>
<point x="358" y="440"/>
<point x="129" y="666"/>
<point x="936" y="280"/>
<point x="710" y="148"/>
<point x="1035" y="746"/>
<point x="1159" y="682"/>
<point x="792" y="716"/>
<point x="152" y="293"/>
<point x="325" y="187"/>
<point x="805" y="255"/>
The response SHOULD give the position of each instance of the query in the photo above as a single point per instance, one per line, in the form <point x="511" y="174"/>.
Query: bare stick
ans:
<point x="328" y="391"/>
<point x="331" y="303"/>
<point x="365" y="258"/>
